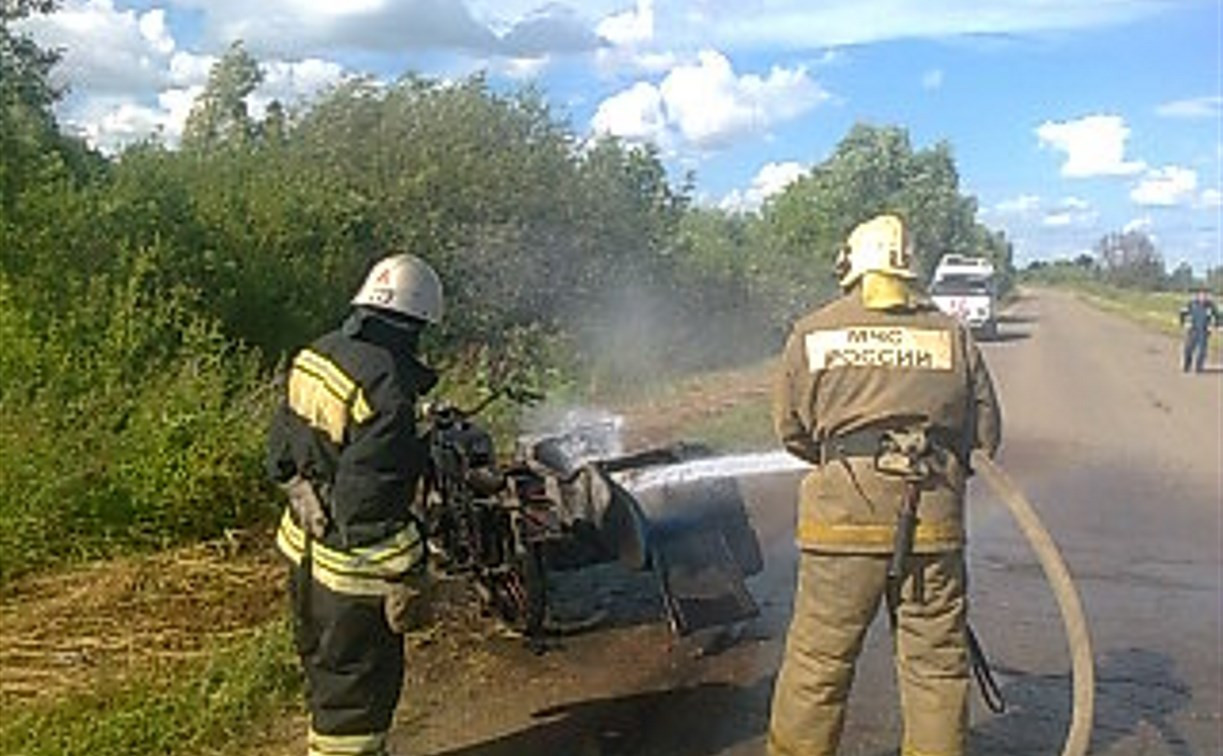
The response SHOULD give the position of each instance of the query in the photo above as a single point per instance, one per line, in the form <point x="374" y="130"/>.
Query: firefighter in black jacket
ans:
<point x="344" y="448"/>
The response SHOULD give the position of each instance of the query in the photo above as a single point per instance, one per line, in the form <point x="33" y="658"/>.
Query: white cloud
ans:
<point x="551" y="29"/>
<point x="1196" y="107"/>
<point x="705" y="101"/>
<point x="293" y="28"/>
<point x="1211" y="198"/>
<point x="616" y="60"/>
<point x="1142" y="224"/>
<point x="525" y="68"/>
<point x="1070" y="212"/>
<point x="121" y="123"/>
<point x="153" y="28"/>
<point x="636" y="114"/>
<point x="106" y="50"/>
<point x="288" y="82"/>
<point x="631" y="42"/>
<point x="801" y="24"/>
<point x="110" y="123"/>
<point x="932" y="79"/>
<point x="115" y="64"/>
<point x="532" y="28"/>
<point x="175" y="105"/>
<point x="292" y="82"/>
<point x="706" y="104"/>
<point x="187" y="69"/>
<point x="128" y="78"/>
<point x="630" y="28"/>
<point x="1166" y="187"/>
<point x="298" y="28"/>
<point x="1094" y="146"/>
<point x="655" y="62"/>
<point x="1021" y="205"/>
<point x="711" y="105"/>
<point x="771" y="179"/>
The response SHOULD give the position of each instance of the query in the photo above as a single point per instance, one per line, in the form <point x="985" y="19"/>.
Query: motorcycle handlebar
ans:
<point x="524" y="396"/>
<point x="516" y="395"/>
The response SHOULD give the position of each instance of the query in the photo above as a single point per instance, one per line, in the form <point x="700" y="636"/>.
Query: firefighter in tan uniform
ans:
<point x="886" y="397"/>
<point x="344" y="448"/>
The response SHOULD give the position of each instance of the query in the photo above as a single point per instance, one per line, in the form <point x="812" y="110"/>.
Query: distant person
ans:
<point x="1197" y="317"/>
<point x="886" y="397"/>
<point x="344" y="448"/>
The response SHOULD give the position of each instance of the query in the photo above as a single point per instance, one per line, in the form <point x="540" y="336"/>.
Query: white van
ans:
<point x="964" y="288"/>
<point x="963" y="266"/>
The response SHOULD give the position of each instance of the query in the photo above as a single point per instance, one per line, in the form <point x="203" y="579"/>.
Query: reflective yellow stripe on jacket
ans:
<point x="364" y="571"/>
<point x="325" y="396"/>
<point x="936" y="536"/>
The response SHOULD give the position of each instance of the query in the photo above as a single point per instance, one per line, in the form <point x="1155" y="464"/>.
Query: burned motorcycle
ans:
<point x="474" y="519"/>
<point x="505" y="527"/>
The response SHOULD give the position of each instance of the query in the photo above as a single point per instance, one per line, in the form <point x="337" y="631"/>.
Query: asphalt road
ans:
<point x="1120" y="454"/>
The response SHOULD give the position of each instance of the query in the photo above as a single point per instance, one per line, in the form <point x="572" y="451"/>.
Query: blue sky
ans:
<point x="1069" y="119"/>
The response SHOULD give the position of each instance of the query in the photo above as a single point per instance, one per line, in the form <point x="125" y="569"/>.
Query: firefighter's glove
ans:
<point x="306" y="505"/>
<point x="409" y="603"/>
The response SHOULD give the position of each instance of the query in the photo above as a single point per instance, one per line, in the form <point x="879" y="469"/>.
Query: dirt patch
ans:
<point x="68" y="631"/>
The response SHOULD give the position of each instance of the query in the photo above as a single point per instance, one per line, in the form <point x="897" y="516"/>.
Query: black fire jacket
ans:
<point x="348" y="424"/>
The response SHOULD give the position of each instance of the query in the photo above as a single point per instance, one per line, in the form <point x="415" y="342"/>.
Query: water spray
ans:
<point x="598" y="433"/>
<point x="711" y="468"/>
<point x="1052" y="564"/>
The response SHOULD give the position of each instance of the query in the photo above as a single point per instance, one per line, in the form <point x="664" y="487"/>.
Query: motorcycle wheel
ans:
<point x="519" y="595"/>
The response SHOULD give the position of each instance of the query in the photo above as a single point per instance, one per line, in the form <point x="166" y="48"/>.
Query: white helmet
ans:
<point x="879" y="245"/>
<point x="403" y="284"/>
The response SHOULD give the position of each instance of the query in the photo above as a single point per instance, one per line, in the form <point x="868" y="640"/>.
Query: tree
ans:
<point x="39" y="167"/>
<point x="872" y="170"/>
<point x="1130" y="259"/>
<point x="1181" y="279"/>
<point x="23" y="65"/>
<point x="1214" y="279"/>
<point x="219" y="115"/>
<point x="27" y="125"/>
<point x="274" y="130"/>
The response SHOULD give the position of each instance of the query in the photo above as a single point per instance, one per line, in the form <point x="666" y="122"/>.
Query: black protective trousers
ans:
<point x="352" y="660"/>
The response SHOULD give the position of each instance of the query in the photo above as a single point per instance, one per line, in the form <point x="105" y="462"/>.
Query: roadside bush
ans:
<point x="128" y="422"/>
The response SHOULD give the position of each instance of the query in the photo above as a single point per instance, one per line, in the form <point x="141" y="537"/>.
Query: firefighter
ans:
<point x="886" y="397"/>
<point x="1197" y="316"/>
<point x="344" y="448"/>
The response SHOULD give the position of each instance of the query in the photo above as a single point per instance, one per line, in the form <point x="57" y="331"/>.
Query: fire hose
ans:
<point x="1054" y="567"/>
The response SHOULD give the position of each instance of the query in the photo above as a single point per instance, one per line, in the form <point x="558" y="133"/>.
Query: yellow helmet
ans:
<point x="880" y="245"/>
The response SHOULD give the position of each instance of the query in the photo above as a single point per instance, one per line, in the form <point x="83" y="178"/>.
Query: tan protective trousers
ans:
<point x="838" y="596"/>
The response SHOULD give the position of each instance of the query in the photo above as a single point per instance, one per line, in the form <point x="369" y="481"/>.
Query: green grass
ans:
<point x="746" y="426"/>
<point x="205" y="706"/>
<point x="1157" y="310"/>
